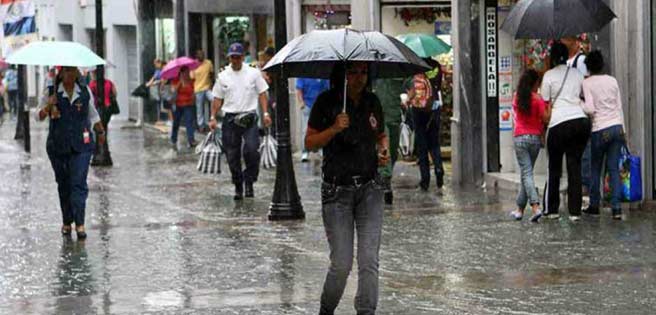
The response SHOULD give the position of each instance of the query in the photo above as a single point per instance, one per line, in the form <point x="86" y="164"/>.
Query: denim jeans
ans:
<point x="235" y="139"/>
<point x="203" y="99"/>
<point x="586" y="166"/>
<point x="71" y="175"/>
<point x="345" y="209"/>
<point x="427" y="140"/>
<point x="188" y="113"/>
<point x="606" y="143"/>
<point x="304" y="124"/>
<point x="527" y="148"/>
<point x="12" y="98"/>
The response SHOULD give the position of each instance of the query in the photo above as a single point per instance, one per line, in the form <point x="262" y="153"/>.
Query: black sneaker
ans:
<point x="591" y="210"/>
<point x="440" y="182"/>
<point x="249" y="191"/>
<point x="239" y="192"/>
<point x="389" y="197"/>
<point x="423" y="186"/>
<point x="617" y="214"/>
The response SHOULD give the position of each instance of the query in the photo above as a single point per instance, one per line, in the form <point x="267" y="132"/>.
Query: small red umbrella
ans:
<point x="172" y="69"/>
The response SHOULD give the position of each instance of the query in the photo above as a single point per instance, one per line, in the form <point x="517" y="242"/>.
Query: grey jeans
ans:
<point x="527" y="148"/>
<point x="345" y="208"/>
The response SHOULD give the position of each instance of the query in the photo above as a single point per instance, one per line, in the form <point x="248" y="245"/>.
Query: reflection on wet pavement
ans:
<point x="164" y="239"/>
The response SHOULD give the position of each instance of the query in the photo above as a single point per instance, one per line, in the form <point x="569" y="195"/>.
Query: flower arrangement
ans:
<point x="321" y="19"/>
<point x="418" y="15"/>
<point x="536" y="51"/>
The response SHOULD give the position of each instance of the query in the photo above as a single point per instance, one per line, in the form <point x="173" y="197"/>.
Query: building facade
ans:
<point x="173" y="28"/>
<point x="76" y="21"/>
<point x="487" y="64"/>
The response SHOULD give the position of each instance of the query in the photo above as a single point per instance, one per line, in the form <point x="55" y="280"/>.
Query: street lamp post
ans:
<point x="22" y="112"/>
<point x="286" y="202"/>
<point x="102" y="156"/>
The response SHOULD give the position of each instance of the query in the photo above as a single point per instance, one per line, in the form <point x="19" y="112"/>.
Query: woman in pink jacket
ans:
<point x="603" y="103"/>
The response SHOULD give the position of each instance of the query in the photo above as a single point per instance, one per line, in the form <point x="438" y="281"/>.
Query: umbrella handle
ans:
<point x="344" y="106"/>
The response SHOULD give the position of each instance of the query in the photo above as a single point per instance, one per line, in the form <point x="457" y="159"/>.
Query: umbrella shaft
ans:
<point x="344" y="106"/>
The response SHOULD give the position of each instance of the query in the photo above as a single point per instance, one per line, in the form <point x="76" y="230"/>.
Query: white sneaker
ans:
<point x="305" y="157"/>
<point x="552" y="216"/>
<point x="574" y="218"/>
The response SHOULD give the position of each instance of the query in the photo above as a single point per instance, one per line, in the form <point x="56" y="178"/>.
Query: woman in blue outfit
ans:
<point x="70" y="144"/>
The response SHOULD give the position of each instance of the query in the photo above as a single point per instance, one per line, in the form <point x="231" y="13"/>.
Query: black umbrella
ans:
<point x="554" y="19"/>
<point x="315" y="54"/>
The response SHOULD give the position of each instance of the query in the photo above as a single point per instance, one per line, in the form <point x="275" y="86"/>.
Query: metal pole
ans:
<point x="22" y="112"/>
<point x="102" y="156"/>
<point x="286" y="203"/>
<point x="180" y="35"/>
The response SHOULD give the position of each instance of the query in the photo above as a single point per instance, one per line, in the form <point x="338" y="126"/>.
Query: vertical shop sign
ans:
<point x="492" y="109"/>
<point x="491" y="50"/>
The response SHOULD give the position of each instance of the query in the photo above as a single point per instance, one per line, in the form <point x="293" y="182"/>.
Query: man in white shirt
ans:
<point x="237" y="91"/>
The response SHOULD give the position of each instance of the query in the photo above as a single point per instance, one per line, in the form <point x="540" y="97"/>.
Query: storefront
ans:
<point x="325" y="17"/>
<point x="504" y="60"/>
<point x="425" y="17"/>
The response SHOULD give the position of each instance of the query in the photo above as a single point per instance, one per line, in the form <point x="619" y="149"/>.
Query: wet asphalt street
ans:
<point x="165" y="239"/>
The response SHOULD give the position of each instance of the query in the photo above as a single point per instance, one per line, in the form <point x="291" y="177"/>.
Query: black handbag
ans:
<point x="141" y="91"/>
<point x="114" y="109"/>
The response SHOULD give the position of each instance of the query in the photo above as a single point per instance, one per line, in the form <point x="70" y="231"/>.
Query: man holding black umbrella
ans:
<point x="238" y="90"/>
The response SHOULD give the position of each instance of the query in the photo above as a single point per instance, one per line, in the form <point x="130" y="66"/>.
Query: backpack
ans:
<point x="575" y="63"/>
<point x="421" y="101"/>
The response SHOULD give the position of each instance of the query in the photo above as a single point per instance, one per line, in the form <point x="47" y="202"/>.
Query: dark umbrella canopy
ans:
<point x="554" y="19"/>
<point x="314" y="54"/>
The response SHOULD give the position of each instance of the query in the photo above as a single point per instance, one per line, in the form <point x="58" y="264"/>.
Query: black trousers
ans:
<point x="241" y="142"/>
<point x="568" y="138"/>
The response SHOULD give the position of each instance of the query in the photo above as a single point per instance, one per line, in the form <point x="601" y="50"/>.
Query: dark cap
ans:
<point x="236" y="49"/>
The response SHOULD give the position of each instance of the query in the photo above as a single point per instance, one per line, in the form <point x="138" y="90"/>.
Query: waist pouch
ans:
<point x="245" y="120"/>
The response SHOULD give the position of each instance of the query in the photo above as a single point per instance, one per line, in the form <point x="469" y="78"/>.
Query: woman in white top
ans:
<point x="568" y="133"/>
<point x="604" y="103"/>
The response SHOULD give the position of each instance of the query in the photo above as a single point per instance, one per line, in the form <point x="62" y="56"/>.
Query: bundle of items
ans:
<point x="268" y="151"/>
<point x="210" y="154"/>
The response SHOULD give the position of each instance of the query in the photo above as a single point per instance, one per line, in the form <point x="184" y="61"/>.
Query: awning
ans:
<point x="230" y="7"/>
<point x="327" y="7"/>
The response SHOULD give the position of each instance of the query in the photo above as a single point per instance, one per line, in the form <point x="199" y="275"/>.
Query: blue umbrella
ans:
<point x="66" y="54"/>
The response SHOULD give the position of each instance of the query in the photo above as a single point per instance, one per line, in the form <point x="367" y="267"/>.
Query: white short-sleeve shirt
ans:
<point x="239" y="90"/>
<point x="568" y="106"/>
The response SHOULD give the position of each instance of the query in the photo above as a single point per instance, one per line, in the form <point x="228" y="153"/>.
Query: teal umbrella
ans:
<point x="67" y="54"/>
<point x="425" y="45"/>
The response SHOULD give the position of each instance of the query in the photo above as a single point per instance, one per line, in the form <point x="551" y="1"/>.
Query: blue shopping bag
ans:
<point x="630" y="176"/>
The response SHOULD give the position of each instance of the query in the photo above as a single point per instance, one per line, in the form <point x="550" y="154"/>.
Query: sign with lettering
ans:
<point x="491" y="50"/>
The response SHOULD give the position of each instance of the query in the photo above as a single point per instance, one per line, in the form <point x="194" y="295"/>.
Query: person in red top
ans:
<point x="102" y="156"/>
<point x="531" y="113"/>
<point x="185" y="99"/>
